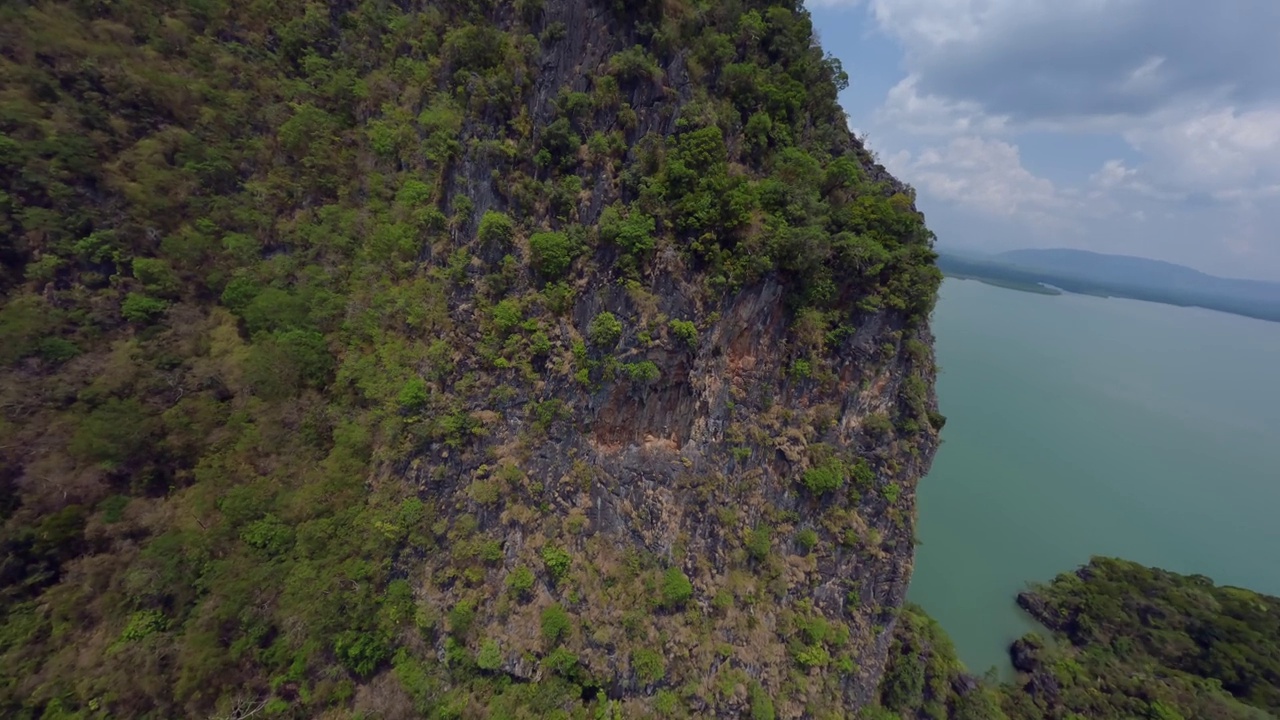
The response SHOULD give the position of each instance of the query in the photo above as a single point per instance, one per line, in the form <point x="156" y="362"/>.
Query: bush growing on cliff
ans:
<point x="824" y="478"/>
<point x="557" y="560"/>
<point x="760" y="542"/>
<point x="556" y="624"/>
<point x="604" y="331"/>
<point x="676" y="588"/>
<point x="520" y="581"/>
<point x="685" y="331"/>
<point x="490" y="656"/>
<point x="645" y="371"/>
<point x="551" y="253"/>
<point x="649" y="666"/>
<point x="497" y="228"/>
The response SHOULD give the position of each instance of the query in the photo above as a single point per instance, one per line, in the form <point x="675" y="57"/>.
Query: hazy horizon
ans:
<point x="953" y="248"/>
<point x="1112" y="126"/>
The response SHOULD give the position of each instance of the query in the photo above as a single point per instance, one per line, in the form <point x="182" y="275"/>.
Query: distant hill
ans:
<point x="1081" y="271"/>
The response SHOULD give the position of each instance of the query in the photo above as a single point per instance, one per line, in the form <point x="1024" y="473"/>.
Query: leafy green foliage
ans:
<point x="685" y="331"/>
<point x="139" y="308"/>
<point x="760" y="542"/>
<point x="556" y="624"/>
<point x="761" y="703"/>
<point x="520" y="580"/>
<point x="557" y="560"/>
<point x="1133" y="642"/>
<point x="551" y="253"/>
<point x="824" y="478"/>
<point x="490" y="656"/>
<point x="676" y="588"/>
<point x="1142" y="641"/>
<point x="497" y="228"/>
<point x="649" y="665"/>
<point x="605" y="330"/>
<point x="644" y="371"/>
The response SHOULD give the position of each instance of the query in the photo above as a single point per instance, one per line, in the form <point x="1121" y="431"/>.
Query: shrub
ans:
<point x="461" y="616"/>
<point x="761" y="703"/>
<point x="862" y="474"/>
<point x="156" y="276"/>
<point x="807" y="538"/>
<point x="496" y="227"/>
<point x="560" y="661"/>
<point x="555" y="624"/>
<point x="760" y="542"/>
<point x="666" y="703"/>
<point x="676" y="588"/>
<point x="878" y="425"/>
<point x="644" y="371"/>
<point x="605" y="330"/>
<point x="414" y="394"/>
<point x="507" y="315"/>
<point x="649" y="666"/>
<point x="113" y="433"/>
<point x="520" y="581"/>
<point x="361" y="652"/>
<point x="57" y="350"/>
<point x="824" y="478"/>
<point x="634" y="63"/>
<point x="801" y="369"/>
<point x="557" y="560"/>
<point x="686" y="331"/>
<point x="813" y="656"/>
<point x="558" y="297"/>
<point x="891" y="492"/>
<point x="490" y="656"/>
<point x="144" y="623"/>
<point x="552" y="253"/>
<point x="632" y="232"/>
<point x="139" y="308"/>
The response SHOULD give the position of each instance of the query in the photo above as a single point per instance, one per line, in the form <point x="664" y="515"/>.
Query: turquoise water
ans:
<point x="1079" y="426"/>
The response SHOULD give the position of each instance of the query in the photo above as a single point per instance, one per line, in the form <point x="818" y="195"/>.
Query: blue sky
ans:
<point x="1140" y="127"/>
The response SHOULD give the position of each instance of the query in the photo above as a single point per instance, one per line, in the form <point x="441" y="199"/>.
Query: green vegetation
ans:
<point x="556" y="624"/>
<point x="685" y="331"/>
<point x="676" y="588"/>
<point x="1144" y="642"/>
<point x="605" y="330"/>
<point x="551" y="253"/>
<point x="824" y="478"/>
<point x="1131" y="642"/>
<point x="288" y="293"/>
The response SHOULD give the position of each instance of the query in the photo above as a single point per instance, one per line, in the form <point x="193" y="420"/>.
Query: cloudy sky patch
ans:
<point x="1145" y="127"/>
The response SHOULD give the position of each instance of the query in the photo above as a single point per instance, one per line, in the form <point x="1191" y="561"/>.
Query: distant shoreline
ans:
<point x="1040" y="282"/>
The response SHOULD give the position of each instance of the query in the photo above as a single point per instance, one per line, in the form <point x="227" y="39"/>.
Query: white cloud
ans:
<point x="980" y="174"/>
<point x="1222" y="152"/>
<point x="908" y="110"/>
<point x="1182" y="119"/>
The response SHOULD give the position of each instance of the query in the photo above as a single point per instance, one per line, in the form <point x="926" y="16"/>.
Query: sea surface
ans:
<point x="1080" y="426"/>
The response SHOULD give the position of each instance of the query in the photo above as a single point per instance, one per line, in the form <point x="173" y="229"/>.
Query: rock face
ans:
<point x="449" y="359"/>
<point x="771" y="464"/>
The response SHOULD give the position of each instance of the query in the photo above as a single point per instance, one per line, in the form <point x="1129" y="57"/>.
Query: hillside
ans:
<point x="1092" y="273"/>
<point x="1128" y="642"/>
<point x="533" y="359"/>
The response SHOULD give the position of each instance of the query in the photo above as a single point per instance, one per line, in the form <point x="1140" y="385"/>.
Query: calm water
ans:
<point x="1082" y="426"/>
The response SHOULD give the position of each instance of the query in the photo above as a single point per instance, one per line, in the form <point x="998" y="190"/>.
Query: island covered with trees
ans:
<point x="1126" y="641"/>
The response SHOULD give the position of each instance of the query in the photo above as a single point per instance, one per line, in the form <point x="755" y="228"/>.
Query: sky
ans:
<point x="1138" y="127"/>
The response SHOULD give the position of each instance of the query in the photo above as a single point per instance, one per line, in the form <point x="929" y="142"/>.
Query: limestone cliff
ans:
<point x="698" y="469"/>
<point x="474" y="358"/>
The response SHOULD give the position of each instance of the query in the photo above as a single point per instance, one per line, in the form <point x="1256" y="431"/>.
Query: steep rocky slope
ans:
<point x="462" y="359"/>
